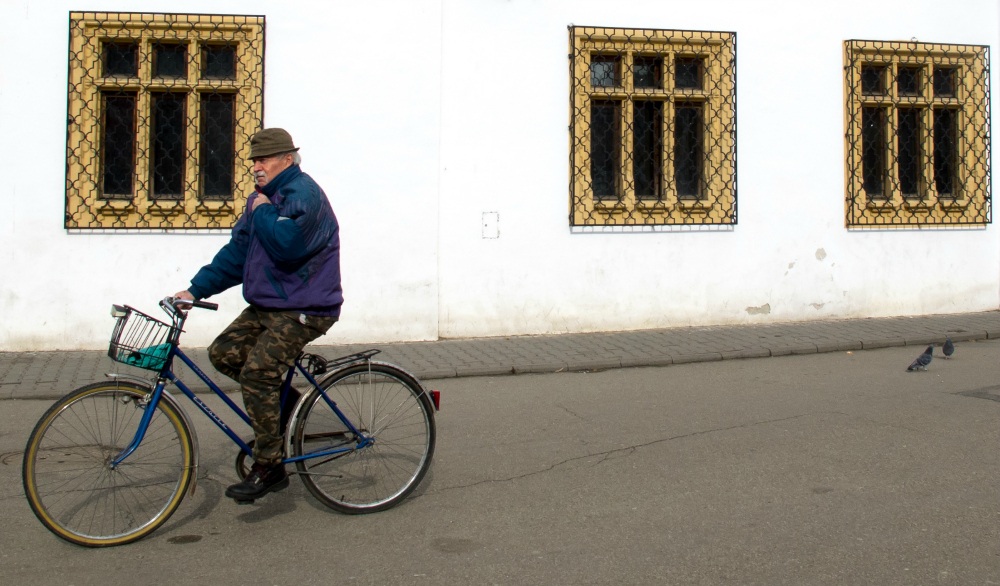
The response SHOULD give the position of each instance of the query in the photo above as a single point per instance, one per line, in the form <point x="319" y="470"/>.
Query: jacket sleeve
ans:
<point x="226" y="269"/>
<point x="303" y="228"/>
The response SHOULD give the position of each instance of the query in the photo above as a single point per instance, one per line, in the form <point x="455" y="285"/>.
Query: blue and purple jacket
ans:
<point x="286" y="255"/>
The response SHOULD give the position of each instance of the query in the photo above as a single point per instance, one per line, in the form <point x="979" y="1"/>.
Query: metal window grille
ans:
<point x="917" y="134"/>
<point x="161" y="108"/>
<point x="652" y="127"/>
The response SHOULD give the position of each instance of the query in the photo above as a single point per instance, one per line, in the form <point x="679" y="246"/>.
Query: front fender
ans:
<point x="166" y="396"/>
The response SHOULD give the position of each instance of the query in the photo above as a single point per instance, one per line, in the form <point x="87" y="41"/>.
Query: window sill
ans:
<point x="217" y="209"/>
<point x="116" y="207"/>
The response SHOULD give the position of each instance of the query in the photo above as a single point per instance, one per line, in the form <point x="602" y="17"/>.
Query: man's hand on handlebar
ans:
<point x="184" y="300"/>
<point x="184" y="295"/>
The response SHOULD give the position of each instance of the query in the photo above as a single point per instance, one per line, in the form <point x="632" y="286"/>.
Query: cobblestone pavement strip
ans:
<point x="26" y="375"/>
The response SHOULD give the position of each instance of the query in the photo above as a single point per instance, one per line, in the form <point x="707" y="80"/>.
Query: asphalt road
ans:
<point x="837" y="468"/>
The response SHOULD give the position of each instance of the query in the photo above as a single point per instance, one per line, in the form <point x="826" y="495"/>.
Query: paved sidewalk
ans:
<point x="48" y="375"/>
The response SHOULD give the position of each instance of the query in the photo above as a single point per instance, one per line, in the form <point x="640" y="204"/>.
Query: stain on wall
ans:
<point x="760" y="310"/>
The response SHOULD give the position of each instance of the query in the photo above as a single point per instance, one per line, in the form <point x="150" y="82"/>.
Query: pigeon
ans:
<point x="921" y="362"/>
<point x="949" y="348"/>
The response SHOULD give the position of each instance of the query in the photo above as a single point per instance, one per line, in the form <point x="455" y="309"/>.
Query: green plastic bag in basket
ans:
<point x="150" y="357"/>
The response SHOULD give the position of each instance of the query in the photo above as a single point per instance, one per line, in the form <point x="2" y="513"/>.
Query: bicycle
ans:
<point x="111" y="461"/>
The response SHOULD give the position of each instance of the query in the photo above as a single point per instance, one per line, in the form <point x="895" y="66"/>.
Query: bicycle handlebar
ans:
<point x="179" y="305"/>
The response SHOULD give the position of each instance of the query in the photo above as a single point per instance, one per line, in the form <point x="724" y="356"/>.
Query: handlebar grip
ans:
<point x="173" y="302"/>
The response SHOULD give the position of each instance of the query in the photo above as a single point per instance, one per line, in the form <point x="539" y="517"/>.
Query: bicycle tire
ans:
<point x="69" y="485"/>
<point x="243" y="462"/>
<point x="388" y="405"/>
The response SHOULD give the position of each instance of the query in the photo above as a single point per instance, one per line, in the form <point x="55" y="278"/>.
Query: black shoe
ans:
<point x="260" y="481"/>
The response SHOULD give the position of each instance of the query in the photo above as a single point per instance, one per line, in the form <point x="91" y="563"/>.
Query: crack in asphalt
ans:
<point x="606" y="455"/>
<point x="571" y="412"/>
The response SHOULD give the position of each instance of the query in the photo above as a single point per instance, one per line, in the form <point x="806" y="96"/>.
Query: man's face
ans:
<point x="267" y="168"/>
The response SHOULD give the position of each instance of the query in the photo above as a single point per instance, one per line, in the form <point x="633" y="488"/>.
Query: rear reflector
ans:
<point x="436" y="399"/>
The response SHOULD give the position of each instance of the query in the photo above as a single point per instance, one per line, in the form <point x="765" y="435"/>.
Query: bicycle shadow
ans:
<point x="210" y="496"/>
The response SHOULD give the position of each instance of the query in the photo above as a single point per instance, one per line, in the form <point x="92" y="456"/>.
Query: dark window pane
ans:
<point x="118" y="144"/>
<point x="605" y="147"/>
<point x="170" y="60"/>
<point x="648" y="149"/>
<point x="689" y="152"/>
<point x="873" y="80"/>
<point x="688" y="73"/>
<point x="908" y="81"/>
<point x="944" y="82"/>
<point x="168" y="132"/>
<point x="908" y="145"/>
<point x="605" y="71"/>
<point x="945" y="152"/>
<point x="647" y="72"/>
<point x="873" y="147"/>
<point x="218" y="62"/>
<point x="217" y="144"/>
<point x="120" y="59"/>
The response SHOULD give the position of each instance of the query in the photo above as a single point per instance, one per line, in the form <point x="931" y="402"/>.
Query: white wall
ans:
<point x="419" y="116"/>
<point x="357" y="85"/>
<point x="790" y="257"/>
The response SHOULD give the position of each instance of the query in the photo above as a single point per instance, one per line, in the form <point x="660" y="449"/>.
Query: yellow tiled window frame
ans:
<point x="917" y="134"/>
<point x="715" y="97"/>
<point x="86" y="206"/>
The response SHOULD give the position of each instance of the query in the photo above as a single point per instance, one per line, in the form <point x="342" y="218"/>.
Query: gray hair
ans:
<point x="296" y="158"/>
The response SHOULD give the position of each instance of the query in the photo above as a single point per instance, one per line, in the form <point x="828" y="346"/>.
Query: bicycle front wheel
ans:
<point x="387" y="406"/>
<point x="67" y="476"/>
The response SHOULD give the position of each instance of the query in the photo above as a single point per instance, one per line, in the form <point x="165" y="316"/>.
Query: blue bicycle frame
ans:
<point x="166" y="374"/>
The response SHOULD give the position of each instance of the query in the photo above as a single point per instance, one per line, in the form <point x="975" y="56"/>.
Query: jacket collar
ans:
<point x="280" y="181"/>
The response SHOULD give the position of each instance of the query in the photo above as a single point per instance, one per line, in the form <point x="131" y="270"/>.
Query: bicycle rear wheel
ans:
<point x="67" y="478"/>
<point x="383" y="403"/>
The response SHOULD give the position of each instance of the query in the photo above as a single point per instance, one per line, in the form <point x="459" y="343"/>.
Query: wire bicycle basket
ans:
<point x="140" y="340"/>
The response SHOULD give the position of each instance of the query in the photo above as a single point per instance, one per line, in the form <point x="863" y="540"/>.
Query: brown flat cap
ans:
<point x="271" y="141"/>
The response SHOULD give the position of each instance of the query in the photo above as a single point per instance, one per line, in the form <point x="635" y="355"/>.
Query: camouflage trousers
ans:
<point x="256" y="350"/>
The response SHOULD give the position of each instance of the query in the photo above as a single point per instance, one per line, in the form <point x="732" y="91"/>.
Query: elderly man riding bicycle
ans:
<point x="285" y="250"/>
